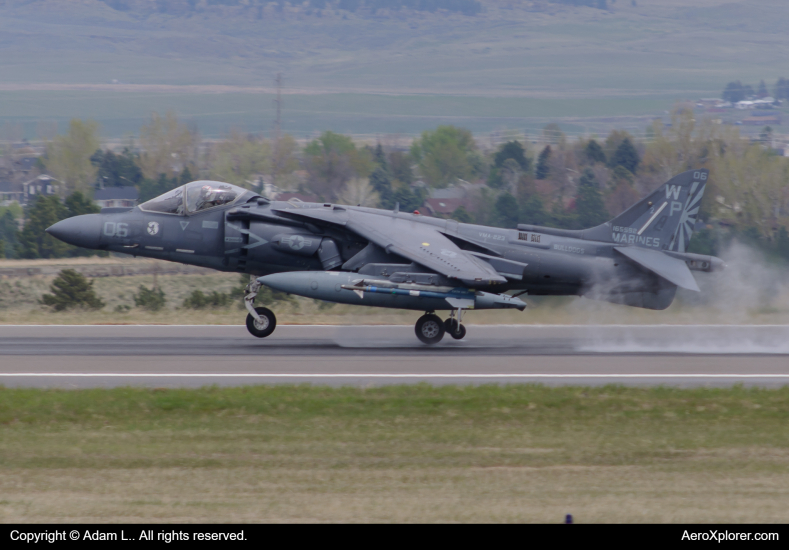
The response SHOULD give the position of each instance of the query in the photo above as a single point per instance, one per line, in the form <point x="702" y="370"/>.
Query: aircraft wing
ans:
<point x="418" y="242"/>
<point x="673" y="270"/>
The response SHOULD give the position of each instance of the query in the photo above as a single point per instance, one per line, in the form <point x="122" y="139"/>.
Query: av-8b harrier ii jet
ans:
<point x="402" y="260"/>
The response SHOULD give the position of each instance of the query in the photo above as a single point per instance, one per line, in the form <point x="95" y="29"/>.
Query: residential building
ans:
<point x="298" y="196"/>
<point x="11" y="192"/>
<point x="774" y="120"/>
<point x="444" y="207"/>
<point x="41" y="185"/>
<point x="443" y="202"/>
<point x="117" y="197"/>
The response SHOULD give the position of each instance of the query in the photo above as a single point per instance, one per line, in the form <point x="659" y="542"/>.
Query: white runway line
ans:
<point x="367" y="375"/>
<point x="524" y="326"/>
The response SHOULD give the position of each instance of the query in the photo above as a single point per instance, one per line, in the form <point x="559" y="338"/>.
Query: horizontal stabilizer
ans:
<point x="673" y="270"/>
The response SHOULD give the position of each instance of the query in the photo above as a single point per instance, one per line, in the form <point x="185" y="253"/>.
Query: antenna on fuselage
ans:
<point x="277" y="128"/>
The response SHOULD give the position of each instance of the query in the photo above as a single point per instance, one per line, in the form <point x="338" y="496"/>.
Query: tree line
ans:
<point x="737" y="91"/>
<point x="549" y="181"/>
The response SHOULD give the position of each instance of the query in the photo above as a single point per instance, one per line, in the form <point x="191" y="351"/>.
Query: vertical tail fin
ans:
<point x="665" y="219"/>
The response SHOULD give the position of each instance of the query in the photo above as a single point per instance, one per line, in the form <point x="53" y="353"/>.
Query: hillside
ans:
<point x="580" y="58"/>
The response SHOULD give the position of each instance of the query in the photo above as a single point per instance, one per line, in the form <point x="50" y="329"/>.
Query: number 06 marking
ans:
<point x="700" y="176"/>
<point x="112" y="229"/>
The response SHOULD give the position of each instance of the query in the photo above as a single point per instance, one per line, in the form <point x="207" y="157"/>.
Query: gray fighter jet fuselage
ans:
<point x="367" y="256"/>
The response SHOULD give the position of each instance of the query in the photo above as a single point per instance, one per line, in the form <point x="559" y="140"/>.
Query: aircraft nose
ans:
<point x="83" y="231"/>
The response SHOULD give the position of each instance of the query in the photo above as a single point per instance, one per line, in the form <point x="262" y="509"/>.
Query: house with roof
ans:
<point x="444" y="207"/>
<point x="303" y="197"/>
<point x="40" y="185"/>
<point x="762" y="120"/>
<point x="117" y="197"/>
<point x="444" y="202"/>
<point x="25" y="165"/>
<point x="11" y="191"/>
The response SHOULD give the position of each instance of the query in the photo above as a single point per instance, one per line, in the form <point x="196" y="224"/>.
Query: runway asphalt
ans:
<point x="191" y="356"/>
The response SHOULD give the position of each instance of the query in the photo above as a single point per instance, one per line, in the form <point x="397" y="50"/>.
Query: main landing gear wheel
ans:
<point x="266" y="325"/>
<point x="429" y="329"/>
<point x="454" y="329"/>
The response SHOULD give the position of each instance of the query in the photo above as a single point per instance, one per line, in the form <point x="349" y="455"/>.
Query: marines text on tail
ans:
<point x="366" y="256"/>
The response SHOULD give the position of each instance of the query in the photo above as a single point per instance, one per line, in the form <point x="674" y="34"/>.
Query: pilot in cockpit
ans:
<point x="211" y="196"/>
<point x="199" y="195"/>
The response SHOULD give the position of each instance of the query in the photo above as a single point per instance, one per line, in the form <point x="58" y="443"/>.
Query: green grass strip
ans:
<point x="523" y="403"/>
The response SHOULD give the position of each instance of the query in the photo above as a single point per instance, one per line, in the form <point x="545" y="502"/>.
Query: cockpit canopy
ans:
<point x="194" y="197"/>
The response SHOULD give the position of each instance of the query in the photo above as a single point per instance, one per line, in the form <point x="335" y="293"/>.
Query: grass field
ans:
<point x="751" y="290"/>
<point x="721" y="302"/>
<point x="664" y="47"/>
<point x="516" y="65"/>
<point x="122" y="113"/>
<point x="520" y="453"/>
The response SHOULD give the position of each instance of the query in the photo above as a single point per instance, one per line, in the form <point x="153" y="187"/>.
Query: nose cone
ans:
<point x="292" y="283"/>
<point x="83" y="231"/>
<point x="486" y="300"/>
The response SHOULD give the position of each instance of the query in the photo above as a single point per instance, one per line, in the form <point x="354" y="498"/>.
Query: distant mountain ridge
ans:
<point x="621" y="47"/>
<point x="284" y="9"/>
<point x="259" y="8"/>
<point x="321" y="8"/>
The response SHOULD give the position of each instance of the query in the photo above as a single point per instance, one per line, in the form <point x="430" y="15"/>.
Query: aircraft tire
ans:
<point x="451" y="328"/>
<point x="429" y="329"/>
<point x="267" y="327"/>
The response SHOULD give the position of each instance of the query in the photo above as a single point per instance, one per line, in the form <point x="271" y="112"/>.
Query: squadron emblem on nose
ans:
<point x="153" y="228"/>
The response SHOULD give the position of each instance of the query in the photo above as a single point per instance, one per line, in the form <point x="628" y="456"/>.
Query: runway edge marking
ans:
<point x="662" y="325"/>
<point x="369" y="375"/>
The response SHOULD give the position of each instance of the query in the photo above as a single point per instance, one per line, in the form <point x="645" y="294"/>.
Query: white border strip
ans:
<point x="368" y="375"/>
<point x="495" y="325"/>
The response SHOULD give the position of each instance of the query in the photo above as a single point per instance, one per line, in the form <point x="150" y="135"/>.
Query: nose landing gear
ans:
<point x="261" y="321"/>
<point x="264" y="324"/>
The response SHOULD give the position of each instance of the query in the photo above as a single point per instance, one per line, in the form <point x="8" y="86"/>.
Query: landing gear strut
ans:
<point x="429" y="329"/>
<point x="454" y="327"/>
<point x="261" y="321"/>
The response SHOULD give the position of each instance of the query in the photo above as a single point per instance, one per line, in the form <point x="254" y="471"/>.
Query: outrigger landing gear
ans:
<point x="429" y="328"/>
<point x="261" y="321"/>
<point x="454" y="327"/>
